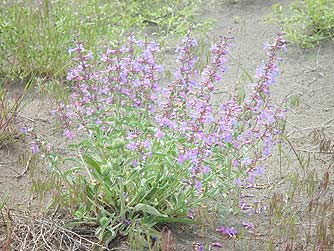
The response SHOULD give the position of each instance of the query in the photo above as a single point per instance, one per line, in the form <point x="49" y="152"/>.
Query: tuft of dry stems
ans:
<point x="168" y="241"/>
<point x="25" y="232"/>
<point x="326" y="145"/>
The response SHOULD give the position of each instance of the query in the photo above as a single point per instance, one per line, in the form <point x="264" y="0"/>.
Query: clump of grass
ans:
<point x="305" y="209"/>
<point x="9" y="108"/>
<point x="36" y="232"/>
<point x="35" y="36"/>
<point x="307" y="22"/>
<point x="307" y="217"/>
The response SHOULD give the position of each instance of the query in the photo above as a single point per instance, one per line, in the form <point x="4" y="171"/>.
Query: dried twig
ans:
<point x="40" y="233"/>
<point x="26" y="168"/>
<point x="8" y="230"/>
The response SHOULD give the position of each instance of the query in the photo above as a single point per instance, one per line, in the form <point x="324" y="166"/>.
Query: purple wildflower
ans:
<point x="98" y="121"/>
<point x="238" y="133"/>
<point x="134" y="163"/>
<point x="198" y="185"/>
<point x="248" y="226"/>
<point x="230" y="232"/>
<point x="191" y="214"/>
<point x="69" y="134"/>
<point x="243" y="205"/>
<point x="132" y="146"/>
<point x="200" y="247"/>
<point x="48" y="147"/>
<point x="216" y="244"/>
<point x="24" y="130"/>
<point x="259" y="170"/>
<point x="238" y="182"/>
<point x="147" y="144"/>
<point x="159" y="134"/>
<point x="182" y="158"/>
<point x="34" y="147"/>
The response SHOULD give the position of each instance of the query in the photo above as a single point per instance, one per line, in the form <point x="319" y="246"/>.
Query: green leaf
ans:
<point x="71" y="171"/>
<point x="173" y="220"/>
<point x="92" y="163"/>
<point x="148" y="209"/>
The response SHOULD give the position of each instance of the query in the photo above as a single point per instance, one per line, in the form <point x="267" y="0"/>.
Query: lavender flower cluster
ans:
<point x="119" y="78"/>
<point x="239" y="133"/>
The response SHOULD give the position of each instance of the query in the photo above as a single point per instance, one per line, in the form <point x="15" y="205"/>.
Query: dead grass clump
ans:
<point x="26" y="232"/>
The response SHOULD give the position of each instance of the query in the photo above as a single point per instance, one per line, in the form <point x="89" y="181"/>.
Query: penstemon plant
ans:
<point x="148" y="154"/>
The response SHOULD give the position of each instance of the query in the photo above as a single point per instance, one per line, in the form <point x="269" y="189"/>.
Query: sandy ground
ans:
<point x="306" y="74"/>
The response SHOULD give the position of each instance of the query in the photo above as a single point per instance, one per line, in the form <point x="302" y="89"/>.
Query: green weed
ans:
<point x="35" y="37"/>
<point x="304" y="211"/>
<point x="294" y="101"/>
<point x="9" y="108"/>
<point x="307" y="22"/>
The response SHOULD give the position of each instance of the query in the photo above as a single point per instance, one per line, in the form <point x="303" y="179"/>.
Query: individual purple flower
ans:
<point x="159" y="134"/>
<point x="89" y="111"/>
<point x="68" y="134"/>
<point x="24" y="130"/>
<point x="267" y="117"/>
<point x="246" y="161"/>
<point x="128" y="222"/>
<point x="251" y="179"/>
<point x="147" y="155"/>
<point x="244" y="206"/>
<point x="48" y="147"/>
<point x="147" y="144"/>
<point x="248" y="226"/>
<point x="182" y="158"/>
<point x="200" y="247"/>
<point x="134" y="163"/>
<point x="191" y="214"/>
<point x="205" y="169"/>
<point x="132" y="146"/>
<point x="34" y="147"/>
<point x="216" y="245"/>
<point x="238" y="182"/>
<point x="259" y="170"/>
<point x="198" y="185"/>
<point x="140" y="43"/>
<point x="267" y="147"/>
<point x="230" y="232"/>
<point x="98" y="121"/>
<point x="261" y="209"/>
